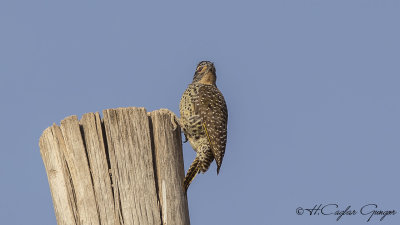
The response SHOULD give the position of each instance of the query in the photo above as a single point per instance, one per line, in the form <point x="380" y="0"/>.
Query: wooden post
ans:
<point x="126" y="168"/>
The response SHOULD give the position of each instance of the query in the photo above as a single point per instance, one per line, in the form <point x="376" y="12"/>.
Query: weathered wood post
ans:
<point x="126" y="168"/>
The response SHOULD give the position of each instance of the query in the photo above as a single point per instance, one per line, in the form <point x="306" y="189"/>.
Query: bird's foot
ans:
<point x="175" y="121"/>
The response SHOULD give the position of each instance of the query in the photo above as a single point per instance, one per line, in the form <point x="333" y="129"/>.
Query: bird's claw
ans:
<point x="174" y="121"/>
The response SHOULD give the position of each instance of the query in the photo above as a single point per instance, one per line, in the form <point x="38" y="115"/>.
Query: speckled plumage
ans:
<point x="204" y="118"/>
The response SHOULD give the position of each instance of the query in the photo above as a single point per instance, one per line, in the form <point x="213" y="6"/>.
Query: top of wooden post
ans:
<point x="126" y="168"/>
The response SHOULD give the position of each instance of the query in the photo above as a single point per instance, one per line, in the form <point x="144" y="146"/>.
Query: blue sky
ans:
<point x="312" y="89"/>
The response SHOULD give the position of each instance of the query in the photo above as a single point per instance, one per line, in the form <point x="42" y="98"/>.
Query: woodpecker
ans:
<point x="204" y="120"/>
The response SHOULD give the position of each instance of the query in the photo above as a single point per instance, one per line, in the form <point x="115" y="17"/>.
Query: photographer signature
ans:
<point x="369" y="210"/>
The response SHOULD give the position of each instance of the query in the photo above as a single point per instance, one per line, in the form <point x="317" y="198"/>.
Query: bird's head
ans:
<point x="205" y="73"/>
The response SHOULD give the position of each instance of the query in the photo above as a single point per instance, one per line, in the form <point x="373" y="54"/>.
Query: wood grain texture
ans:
<point x="51" y="145"/>
<point x="92" y="131"/>
<point x="170" y="171"/>
<point x="128" y="135"/>
<point x="77" y="162"/>
<point x="126" y="169"/>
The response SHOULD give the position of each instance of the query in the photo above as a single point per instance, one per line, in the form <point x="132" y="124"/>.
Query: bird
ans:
<point x="204" y="120"/>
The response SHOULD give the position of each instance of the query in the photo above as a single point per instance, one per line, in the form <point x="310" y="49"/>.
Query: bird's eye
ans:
<point x="199" y="69"/>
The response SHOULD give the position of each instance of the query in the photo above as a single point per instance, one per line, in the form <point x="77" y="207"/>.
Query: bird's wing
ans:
<point x="211" y="107"/>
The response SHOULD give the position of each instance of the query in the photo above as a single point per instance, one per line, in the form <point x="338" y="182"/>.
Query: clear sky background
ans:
<point x="312" y="89"/>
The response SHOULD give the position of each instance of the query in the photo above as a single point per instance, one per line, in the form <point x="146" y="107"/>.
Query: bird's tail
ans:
<point x="194" y="169"/>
